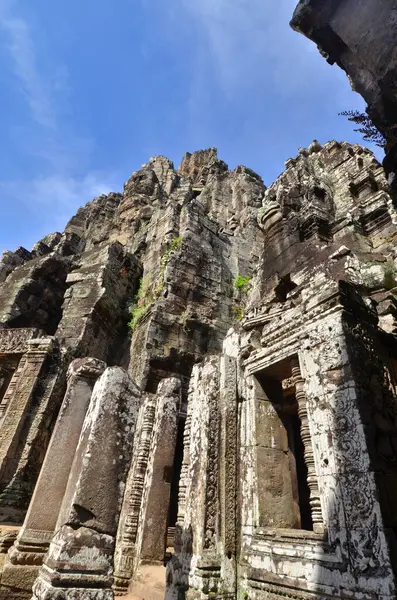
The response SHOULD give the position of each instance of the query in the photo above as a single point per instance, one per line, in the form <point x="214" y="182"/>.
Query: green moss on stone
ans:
<point x="242" y="283"/>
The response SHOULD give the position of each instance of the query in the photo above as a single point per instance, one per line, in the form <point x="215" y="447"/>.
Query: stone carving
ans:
<point x="157" y="488"/>
<point x="16" y="340"/>
<point x="306" y="439"/>
<point x="128" y="527"/>
<point x="283" y="481"/>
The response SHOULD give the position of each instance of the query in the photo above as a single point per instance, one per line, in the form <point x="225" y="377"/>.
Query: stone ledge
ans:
<point x="295" y="534"/>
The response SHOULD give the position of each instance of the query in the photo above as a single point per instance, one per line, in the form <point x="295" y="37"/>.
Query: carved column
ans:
<point x="34" y="538"/>
<point x="315" y="503"/>
<point x="197" y="556"/>
<point x="228" y="462"/>
<point x="183" y="482"/>
<point x="128" y="527"/>
<point x="79" y="561"/>
<point x="17" y="410"/>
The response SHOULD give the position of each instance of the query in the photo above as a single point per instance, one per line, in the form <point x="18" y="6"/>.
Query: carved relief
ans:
<point x="128" y="529"/>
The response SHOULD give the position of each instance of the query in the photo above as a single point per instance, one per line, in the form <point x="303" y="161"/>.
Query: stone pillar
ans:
<point x="34" y="538"/>
<point x="197" y="561"/>
<point x="130" y="512"/>
<point x="18" y="407"/>
<point x="315" y="503"/>
<point x="156" y="496"/>
<point x="79" y="561"/>
<point x="228" y="470"/>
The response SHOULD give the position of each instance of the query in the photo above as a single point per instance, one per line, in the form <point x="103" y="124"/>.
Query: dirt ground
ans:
<point x="149" y="585"/>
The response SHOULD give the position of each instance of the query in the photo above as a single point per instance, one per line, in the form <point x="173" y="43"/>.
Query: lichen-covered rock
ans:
<point x="259" y="326"/>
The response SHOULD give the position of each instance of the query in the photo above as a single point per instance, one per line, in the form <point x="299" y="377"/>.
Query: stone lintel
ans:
<point x="15" y="341"/>
<point x="18" y="404"/>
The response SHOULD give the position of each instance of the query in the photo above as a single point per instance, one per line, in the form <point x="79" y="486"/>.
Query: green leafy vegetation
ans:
<point x="242" y="283"/>
<point x="262" y="211"/>
<point x="145" y="296"/>
<point x="141" y="304"/>
<point x="137" y="312"/>
<point x="174" y="246"/>
<point x="238" y="312"/>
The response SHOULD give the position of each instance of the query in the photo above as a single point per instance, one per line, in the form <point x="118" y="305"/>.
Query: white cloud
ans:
<point x="54" y="195"/>
<point x="20" y="45"/>
<point x="241" y="36"/>
<point x="250" y="51"/>
<point x="61" y="153"/>
<point x="250" y="48"/>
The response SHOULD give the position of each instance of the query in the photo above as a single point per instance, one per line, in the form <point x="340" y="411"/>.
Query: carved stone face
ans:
<point x="142" y="182"/>
<point x="270" y="216"/>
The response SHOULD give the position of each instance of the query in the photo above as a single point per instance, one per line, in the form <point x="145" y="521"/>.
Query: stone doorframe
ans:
<point x="340" y="472"/>
<point x="272" y="441"/>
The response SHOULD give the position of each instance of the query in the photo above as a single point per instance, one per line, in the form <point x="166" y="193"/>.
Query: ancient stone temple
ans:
<point x="201" y="372"/>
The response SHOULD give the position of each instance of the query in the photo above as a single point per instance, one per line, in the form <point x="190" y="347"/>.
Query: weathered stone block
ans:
<point x="276" y="502"/>
<point x="35" y="536"/>
<point x="80" y="555"/>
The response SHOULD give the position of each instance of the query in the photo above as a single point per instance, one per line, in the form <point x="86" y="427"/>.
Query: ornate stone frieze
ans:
<point x="128" y="528"/>
<point x="16" y="340"/>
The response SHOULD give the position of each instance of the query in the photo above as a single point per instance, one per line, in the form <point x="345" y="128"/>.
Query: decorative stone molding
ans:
<point x="128" y="527"/>
<point x="16" y="340"/>
<point x="152" y="529"/>
<point x="17" y="404"/>
<point x="318" y="523"/>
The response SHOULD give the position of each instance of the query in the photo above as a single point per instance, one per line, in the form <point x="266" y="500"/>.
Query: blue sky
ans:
<point x="90" y="89"/>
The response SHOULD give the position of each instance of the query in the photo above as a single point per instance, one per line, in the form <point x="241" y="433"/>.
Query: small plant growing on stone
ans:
<point x="262" y="211"/>
<point x="238" y="312"/>
<point x="242" y="283"/>
<point x="140" y="305"/>
<point x="174" y="246"/>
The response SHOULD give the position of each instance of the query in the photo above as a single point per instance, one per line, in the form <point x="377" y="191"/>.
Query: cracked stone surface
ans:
<point x="176" y="337"/>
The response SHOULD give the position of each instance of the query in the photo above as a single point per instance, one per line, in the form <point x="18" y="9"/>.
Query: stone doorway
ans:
<point x="282" y="469"/>
<point x="173" y="505"/>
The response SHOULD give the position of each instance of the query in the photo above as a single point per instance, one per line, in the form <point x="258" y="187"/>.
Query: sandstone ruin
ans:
<point x="201" y="372"/>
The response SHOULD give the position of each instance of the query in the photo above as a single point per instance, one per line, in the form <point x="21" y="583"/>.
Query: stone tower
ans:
<point x="201" y="371"/>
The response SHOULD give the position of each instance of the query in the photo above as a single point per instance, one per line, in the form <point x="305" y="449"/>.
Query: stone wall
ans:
<point x="256" y="323"/>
